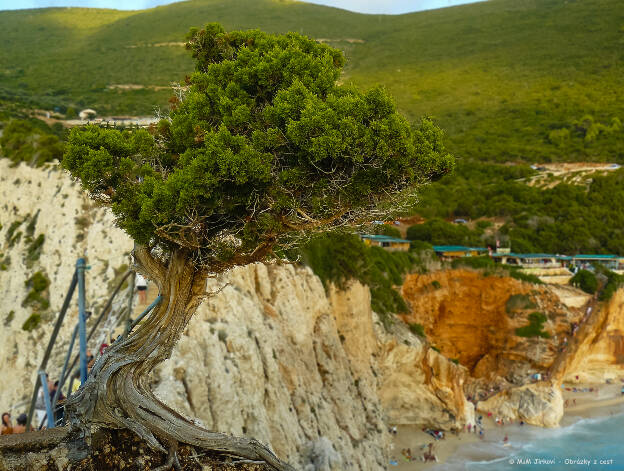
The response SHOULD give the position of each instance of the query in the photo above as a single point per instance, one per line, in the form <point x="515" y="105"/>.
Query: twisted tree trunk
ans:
<point x="117" y="393"/>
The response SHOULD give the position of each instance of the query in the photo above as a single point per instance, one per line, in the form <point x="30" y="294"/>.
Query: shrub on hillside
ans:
<point x="585" y="280"/>
<point x="439" y="232"/>
<point x="32" y="142"/>
<point x="37" y="285"/>
<point x="534" y="329"/>
<point x="32" y="322"/>
<point x="335" y="257"/>
<point x="387" y="230"/>
<point x="614" y="281"/>
<point x="420" y="246"/>
<point x="417" y="329"/>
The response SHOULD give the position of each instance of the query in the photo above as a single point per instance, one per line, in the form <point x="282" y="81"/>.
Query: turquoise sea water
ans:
<point x="595" y="444"/>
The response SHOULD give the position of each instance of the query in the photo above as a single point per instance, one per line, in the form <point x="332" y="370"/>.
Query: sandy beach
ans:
<point x="412" y="437"/>
<point x="602" y="400"/>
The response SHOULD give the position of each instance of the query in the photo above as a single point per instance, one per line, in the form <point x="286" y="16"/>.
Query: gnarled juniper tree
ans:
<point x="261" y="145"/>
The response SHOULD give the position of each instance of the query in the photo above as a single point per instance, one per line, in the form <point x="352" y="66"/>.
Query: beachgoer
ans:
<point x="506" y="439"/>
<point x="469" y="427"/>
<point x="7" y="426"/>
<point x="141" y="286"/>
<point x="21" y="424"/>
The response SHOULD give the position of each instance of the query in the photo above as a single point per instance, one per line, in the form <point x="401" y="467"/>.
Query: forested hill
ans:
<point x="509" y="80"/>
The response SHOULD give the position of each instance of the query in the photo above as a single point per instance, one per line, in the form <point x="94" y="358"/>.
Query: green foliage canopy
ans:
<point x="263" y="142"/>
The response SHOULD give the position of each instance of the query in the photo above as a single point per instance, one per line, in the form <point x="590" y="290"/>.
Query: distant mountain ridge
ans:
<point x="508" y="80"/>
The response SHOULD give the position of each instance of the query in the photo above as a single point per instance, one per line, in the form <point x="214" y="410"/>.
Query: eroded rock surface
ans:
<point x="536" y="404"/>
<point x="473" y="318"/>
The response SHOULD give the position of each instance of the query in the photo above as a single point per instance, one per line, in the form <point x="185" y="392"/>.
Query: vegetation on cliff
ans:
<point x="585" y="280"/>
<point x="31" y="141"/>
<point x="338" y="257"/>
<point x="565" y="108"/>
<point x="488" y="267"/>
<point x="37" y="298"/>
<point x="613" y="283"/>
<point x="567" y="218"/>
<point x="535" y="327"/>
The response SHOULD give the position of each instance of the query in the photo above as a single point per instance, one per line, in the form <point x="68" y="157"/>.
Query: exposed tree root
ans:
<point x="172" y="460"/>
<point x="110" y="450"/>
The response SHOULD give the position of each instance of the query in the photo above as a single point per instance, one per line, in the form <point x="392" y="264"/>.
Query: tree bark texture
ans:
<point x="117" y="393"/>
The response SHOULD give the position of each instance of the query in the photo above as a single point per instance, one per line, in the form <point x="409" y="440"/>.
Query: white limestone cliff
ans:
<point x="273" y="355"/>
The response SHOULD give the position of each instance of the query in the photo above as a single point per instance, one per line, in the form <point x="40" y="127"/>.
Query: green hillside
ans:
<point x="533" y="80"/>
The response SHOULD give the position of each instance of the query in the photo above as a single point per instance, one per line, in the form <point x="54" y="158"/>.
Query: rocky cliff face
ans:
<point x="538" y="404"/>
<point x="46" y="223"/>
<point x="265" y="358"/>
<point x="420" y="386"/>
<point x="272" y="355"/>
<point x="474" y="318"/>
<point x="600" y="356"/>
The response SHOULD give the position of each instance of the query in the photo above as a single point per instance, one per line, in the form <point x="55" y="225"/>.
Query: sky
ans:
<point x="362" y="6"/>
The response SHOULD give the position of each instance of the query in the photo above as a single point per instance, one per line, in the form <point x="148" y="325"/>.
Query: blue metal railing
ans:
<point x="46" y="397"/>
<point x="80" y="330"/>
<point x="46" y="356"/>
<point x="82" y="321"/>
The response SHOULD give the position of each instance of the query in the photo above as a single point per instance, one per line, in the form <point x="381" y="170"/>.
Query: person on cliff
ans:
<point x="21" y="424"/>
<point x="59" y="409"/>
<point x="7" y="426"/>
<point x="141" y="286"/>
